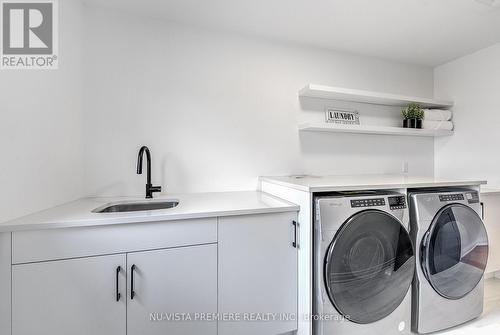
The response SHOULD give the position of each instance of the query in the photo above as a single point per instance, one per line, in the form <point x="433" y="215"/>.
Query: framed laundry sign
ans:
<point x="342" y="116"/>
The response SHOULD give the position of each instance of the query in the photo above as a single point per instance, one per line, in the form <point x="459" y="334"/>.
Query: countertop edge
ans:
<point x="313" y="189"/>
<point x="390" y="186"/>
<point x="285" y="184"/>
<point x="158" y="219"/>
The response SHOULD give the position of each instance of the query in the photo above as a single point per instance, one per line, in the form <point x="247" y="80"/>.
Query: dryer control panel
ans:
<point x="472" y="197"/>
<point x="451" y="197"/>
<point x="398" y="202"/>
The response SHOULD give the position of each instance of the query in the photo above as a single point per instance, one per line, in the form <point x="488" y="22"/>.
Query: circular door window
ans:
<point x="369" y="266"/>
<point x="455" y="251"/>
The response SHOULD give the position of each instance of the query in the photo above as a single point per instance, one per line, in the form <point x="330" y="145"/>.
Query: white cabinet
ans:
<point x="77" y="297"/>
<point x="173" y="290"/>
<point x="491" y="215"/>
<point x="89" y="282"/>
<point x="52" y="244"/>
<point x="5" y="283"/>
<point x="258" y="274"/>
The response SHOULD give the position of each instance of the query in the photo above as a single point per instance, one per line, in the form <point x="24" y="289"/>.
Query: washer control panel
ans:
<point x="397" y="202"/>
<point x="451" y="197"/>
<point x="368" y="202"/>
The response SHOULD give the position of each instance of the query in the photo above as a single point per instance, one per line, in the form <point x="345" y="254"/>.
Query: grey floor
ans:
<point x="489" y="322"/>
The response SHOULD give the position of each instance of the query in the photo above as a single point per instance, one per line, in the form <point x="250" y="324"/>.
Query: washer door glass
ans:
<point x="455" y="251"/>
<point x="369" y="266"/>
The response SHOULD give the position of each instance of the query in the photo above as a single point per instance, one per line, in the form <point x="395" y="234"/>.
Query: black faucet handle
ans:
<point x="155" y="188"/>
<point x="150" y="189"/>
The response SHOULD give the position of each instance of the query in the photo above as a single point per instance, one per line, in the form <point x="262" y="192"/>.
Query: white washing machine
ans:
<point x="363" y="264"/>
<point x="451" y="247"/>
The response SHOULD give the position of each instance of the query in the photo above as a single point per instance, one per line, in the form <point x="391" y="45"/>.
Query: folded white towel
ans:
<point x="437" y="115"/>
<point x="435" y="125"/>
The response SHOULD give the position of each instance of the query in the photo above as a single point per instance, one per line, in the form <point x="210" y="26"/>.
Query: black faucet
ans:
<point x="150" y="189"/>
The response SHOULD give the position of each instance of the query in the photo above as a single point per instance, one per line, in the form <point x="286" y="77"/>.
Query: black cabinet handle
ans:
<point x="482" y="210"/>
<point x="118" y="295"/>
<point x="294" y="243"/>
<point x="132" y="292"/>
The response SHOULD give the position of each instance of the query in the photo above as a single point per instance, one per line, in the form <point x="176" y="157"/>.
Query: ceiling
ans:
<point x="427" y="32"/>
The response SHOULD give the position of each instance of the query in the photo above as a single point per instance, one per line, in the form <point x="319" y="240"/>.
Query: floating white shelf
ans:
<point x="369" y="97"/>
<point x="377" y="130"/>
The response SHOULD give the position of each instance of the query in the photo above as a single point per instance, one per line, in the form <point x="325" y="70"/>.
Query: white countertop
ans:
<point x="363" y="182"/>
<point x="197" y="205"/>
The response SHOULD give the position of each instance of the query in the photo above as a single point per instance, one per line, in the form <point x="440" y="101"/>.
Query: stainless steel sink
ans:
<point x="135" y="206"/>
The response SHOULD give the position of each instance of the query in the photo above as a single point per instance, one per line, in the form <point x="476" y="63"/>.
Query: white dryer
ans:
<point x="363" y="264"/>
<point x="451" y="248"/>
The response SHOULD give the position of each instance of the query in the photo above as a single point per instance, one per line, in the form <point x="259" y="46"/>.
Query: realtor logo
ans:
<point x="29" y="34"/>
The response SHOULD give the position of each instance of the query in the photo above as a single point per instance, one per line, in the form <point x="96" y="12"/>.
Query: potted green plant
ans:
<point x="404" y="112"/>
<point x="412" y="116"/>
<point x="419" y="117"/>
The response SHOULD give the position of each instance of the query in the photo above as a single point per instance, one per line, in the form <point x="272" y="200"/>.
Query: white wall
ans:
<point x="41" y="127"/>
<point x="217" y="110"/>
<point x="473" y="82"/>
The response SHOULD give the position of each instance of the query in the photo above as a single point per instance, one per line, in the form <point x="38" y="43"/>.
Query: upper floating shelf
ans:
<point x="369" y="97"/>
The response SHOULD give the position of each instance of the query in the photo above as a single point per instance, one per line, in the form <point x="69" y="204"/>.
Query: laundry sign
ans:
<point x="342" y="116"/>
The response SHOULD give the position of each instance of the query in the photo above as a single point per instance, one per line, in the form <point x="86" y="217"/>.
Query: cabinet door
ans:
<point x="77" y="297"/>
<point x="258" y="274"/>
<point x="491" y="215"/>
<point x="171" y="290"/>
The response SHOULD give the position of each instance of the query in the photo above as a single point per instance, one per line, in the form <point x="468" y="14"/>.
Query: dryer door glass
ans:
<point x="455" y="251"/>
<point x="369" y="266"/>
